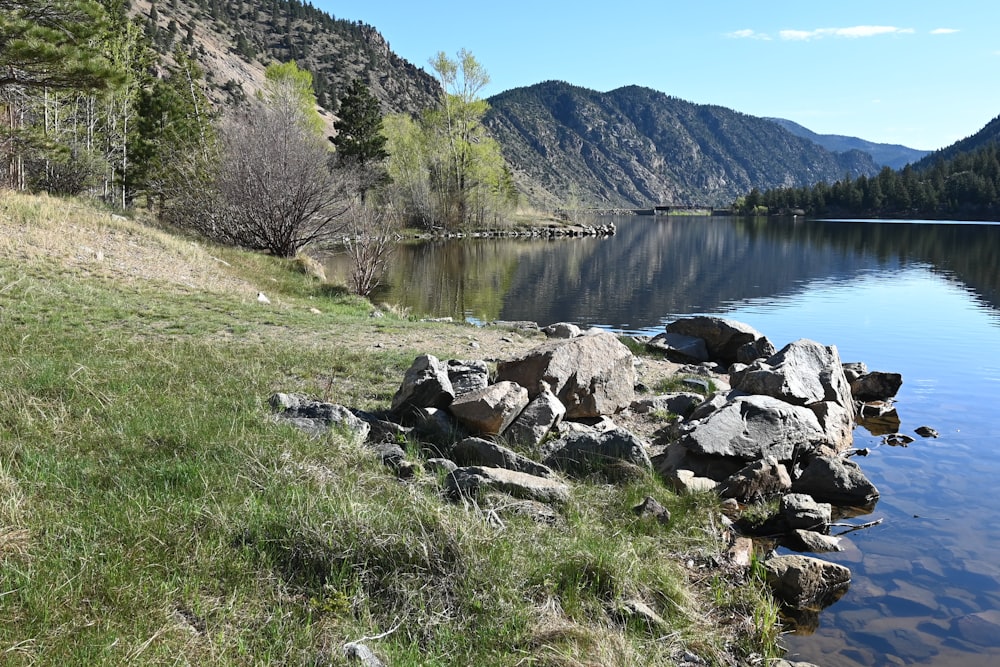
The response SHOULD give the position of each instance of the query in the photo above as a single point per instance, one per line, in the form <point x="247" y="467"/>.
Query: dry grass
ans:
<point x="87" y="242"/>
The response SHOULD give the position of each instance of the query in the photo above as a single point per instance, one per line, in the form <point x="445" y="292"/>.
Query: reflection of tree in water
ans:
<point x="657" y="267"/>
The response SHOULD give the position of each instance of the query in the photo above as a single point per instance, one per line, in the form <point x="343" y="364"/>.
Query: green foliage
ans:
<point x="288" y="78"/>
<point x="451" y="172"/>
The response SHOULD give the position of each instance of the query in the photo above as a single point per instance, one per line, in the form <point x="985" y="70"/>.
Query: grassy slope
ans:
<point x="150" y="513"/>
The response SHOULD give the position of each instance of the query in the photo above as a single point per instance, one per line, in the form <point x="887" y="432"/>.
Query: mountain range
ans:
<point x="566" y="145"/>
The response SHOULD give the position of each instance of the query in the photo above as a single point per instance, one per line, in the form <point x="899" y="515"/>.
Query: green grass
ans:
<point x="151" y="513"/>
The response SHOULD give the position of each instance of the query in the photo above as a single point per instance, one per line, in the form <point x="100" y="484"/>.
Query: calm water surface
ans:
<point x="918" y="298"/>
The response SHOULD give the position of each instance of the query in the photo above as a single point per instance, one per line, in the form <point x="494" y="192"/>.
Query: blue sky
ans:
<point x="923" y="74"/>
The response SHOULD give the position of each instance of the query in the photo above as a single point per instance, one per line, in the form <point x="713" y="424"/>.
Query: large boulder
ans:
<point x="488" y="411"/>
<point x="466" y="376"/>
<point x="759" y="479"/>
<point x="591" y="375"/>
<point x="801" y="373"/>
<point x="543" y="413"/>
<point x="680" y="348"/>
<point x="876" y="386"/>
<point x="472" y="480"/>
<point x="801" y="581"/>
<point x="479" y="452"/>
<point x="837" y="481"/>
<point x="723" y="337"/>
<point x="425" y="385"/>
<point x="753" y="427"/>
<point x="801" y="511"/>
<point x="581" y="454"/>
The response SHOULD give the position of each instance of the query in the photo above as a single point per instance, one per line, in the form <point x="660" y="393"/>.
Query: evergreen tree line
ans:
<point x="965" y="186"/>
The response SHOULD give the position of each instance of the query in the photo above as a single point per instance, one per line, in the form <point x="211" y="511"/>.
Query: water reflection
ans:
<point x="919" y="299"/>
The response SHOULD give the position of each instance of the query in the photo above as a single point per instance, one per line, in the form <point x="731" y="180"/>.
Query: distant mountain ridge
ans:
<point x="886" y="155"/>
<point x="636" y="147"/>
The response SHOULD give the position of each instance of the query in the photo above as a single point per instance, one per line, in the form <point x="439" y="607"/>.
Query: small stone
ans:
<point x="897" y="440"/>
<point x="926" y="432"/>
<point x="651" y="507"/>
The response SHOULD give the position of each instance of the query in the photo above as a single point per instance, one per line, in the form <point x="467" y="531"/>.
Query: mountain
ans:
<point x="885" y="155"/>
<point x="990" y="134"/>
<point x="636" y="147"/>
<point x="234" y="40"/>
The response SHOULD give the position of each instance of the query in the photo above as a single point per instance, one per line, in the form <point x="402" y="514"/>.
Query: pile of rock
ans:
<point x="783" y="429"/>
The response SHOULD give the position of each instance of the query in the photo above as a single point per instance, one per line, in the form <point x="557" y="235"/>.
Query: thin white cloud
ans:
<point x="944" y="31"/>
<point x="852" y="32"/>
<point x="748" y="34"/>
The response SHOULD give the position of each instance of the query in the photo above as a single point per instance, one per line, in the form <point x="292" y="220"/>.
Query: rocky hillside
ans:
<point x="234" y="40"/>
<point x="635" y="147"/>
<point x="990" y="134"/>
<point x="886" y="155"/>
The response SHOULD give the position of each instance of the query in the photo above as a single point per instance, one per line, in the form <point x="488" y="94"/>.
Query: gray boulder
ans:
<point x="490" y="410"/>
<point x="425" y="385"/>
<point x="836" y="422"/>
<point x="542" y="414"/>
<point x="837" y="481"/>
<point x="466" y="376"/>
<point x="753" y="427"/>
<point x="801" y="511"/>
<point x="876" y="386"/>
<point x="680" y="348"/>
<point x="722" y="337"/>
<point x="854" y="369"/>
<point x="759" y="479"/>
<point x="479" y="452"/>
<point x="801" y="581"/>
<point x="802" y="373"/>
<point x="680" y="403"/>
<point x="811" y="541"/>
<point x="317" y="417"/>
<point x="750" y="352"/>
<point x="591" y="375"/>
<point x="581" y="454"/>
<point x="562" y="330"/>
<point x="472" y="480"/>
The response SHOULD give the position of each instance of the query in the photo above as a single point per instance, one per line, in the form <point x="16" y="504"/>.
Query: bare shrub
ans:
<point x="273" y="189"/>
<point x="370" y="241"/>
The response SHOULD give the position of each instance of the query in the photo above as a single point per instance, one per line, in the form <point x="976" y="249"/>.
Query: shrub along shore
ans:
<point x="152" y="510"/>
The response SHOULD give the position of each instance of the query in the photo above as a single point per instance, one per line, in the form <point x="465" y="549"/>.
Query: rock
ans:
<point x="479" y="452"/>
<point x="680" y="348"/>
<point x="855" y="369"/>
<point x="801" y="511"/>
<point x="750" y="352"/>
<point x="536" y="511"/>
<point x="740" y="552"/>
<point x="802" y="373"/>
<point x="440" y="465"/>
<point x="685" y="481"/>
<point x="722" y="337"/>
<point x="562" y="330"/>
<point x="490" y="410"/>
<point x="651" y="507"/>
<point x="633" y="610"/>
<point x="542" y="414"/>
<point x="811" y="541"/>
<point x="581" y="454"/>
<point x="926" y="432"/>
<point x="981" y="628"/>
<point x="759" y="479"/>
<point x="698" y="384"/>
<point x="897" y="440"/>
<point x="876" y="386"/>
<point x="591" y="375"/>
<point x="878" y="418"/>
<point x="435" y="426"/>
<point x="679" y="403"/>
<point x="802" y="581"/>
<point x="470" y="481"/>
<point x="425" y="385"/>
<point x="316" y="417"/>
<point x="359" y="653"/>
<point x="752" y="427"/>
<point x="836" y="422"/>
<point x="466" y="376"/>
<point x="676" y="457"/>
<point x="837" y="481"/>
<point x="391" y="454"/>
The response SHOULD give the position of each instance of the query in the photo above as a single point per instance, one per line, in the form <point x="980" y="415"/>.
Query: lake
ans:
<point x="918" y="298"/>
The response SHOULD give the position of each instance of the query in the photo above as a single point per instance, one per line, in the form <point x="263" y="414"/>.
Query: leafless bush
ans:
<point x="273" y="189"/>
<point x="370" y="242"/>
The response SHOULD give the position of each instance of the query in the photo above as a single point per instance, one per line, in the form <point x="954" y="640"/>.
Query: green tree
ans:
<point x="284" y="79"/>
<point x="360" y="141"/>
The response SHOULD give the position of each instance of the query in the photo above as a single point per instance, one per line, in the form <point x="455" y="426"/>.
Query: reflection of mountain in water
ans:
<point x="657" y="267"/>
